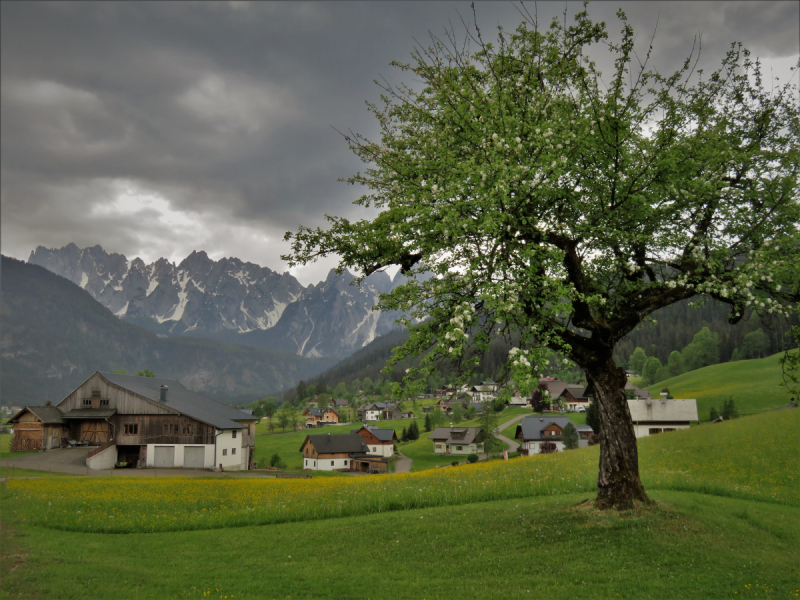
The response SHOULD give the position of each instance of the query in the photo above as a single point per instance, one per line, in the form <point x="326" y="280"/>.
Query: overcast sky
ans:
<point x="155" y="129"/>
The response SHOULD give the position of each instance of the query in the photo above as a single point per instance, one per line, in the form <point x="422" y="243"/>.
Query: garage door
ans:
<point x="194" y="457"/>
<point x="165" y="457"/>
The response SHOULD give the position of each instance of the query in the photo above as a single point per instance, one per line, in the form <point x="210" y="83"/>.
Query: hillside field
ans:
<point x="753" y="385"/>
<point x="727" y="525"/>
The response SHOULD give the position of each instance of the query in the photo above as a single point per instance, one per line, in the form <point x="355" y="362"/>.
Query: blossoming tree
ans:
<point x="543" y="201"/>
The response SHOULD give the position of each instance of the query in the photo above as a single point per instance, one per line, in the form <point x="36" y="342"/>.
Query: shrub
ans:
<point x="472" y="458"/>
<point x="454" y="463"/>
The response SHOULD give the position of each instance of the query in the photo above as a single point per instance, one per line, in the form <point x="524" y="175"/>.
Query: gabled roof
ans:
<point x="532" y="427"/>
<point x="325" y="443"/>
<point x="247" y="411"/>
<point x="663" y="410"/>
<point x="340" y="402"/>
<point x="48" y="415"/>
<point x="184" y="401"/>
<point x="384" y="435"/>
<point x="318" y="412"/>
<point x="445" y="433"/>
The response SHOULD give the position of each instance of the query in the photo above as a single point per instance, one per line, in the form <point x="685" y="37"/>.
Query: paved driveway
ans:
<point x="59" y="460"/>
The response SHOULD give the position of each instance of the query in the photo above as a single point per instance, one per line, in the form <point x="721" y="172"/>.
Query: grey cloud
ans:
<point x="225" y="109"/>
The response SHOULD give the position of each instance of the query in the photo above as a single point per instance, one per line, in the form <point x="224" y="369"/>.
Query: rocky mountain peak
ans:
<point x="228" y="299"/>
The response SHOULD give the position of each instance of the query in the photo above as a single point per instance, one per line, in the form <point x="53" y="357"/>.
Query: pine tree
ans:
<point x="404" y="435"/>
<point x="571" y="438"/>
<point x="713" y="414"/>
<point x="413" y="431"/>
<point x="428" y="422"/>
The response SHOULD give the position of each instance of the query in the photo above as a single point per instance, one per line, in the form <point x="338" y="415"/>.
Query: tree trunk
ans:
<point x="618" y="483"/>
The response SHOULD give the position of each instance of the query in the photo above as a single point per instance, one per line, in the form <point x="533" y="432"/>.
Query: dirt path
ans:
<point x="403" y="464"/>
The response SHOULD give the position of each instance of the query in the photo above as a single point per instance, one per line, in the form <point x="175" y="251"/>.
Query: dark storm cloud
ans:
<point x="157" y="128"/>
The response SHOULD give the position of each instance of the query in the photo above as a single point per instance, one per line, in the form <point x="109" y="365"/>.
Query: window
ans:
<point x="224" y="452"/>
<point x="459" y="448"/>
<point x="654" y="430"/>
<point x="104" y="402"/>
<point x="171" y="429"/>
<point x="87" y="402"/>
<point x="131" y="429"/>
<point x="190" y="429"/>
<point x="234" y="434"/>
<point x="438" y="446"/>
<point x="345" y="463"/>
<point x="374" y="449"/>
<point x="331" y="463"/>
<point x="233" y="451"/>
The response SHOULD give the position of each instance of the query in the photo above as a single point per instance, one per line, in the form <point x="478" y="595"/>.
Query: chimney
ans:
<point x="664" y="396"/>
<point x="164" y="390"/>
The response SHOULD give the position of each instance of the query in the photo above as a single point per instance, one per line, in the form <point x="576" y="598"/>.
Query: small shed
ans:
<point x="37" y="427"/>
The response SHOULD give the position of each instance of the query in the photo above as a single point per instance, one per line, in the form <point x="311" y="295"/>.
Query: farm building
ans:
<point x="656" y="416"/>
<point x="37" y="427"/>
<point x="147" y="422"/>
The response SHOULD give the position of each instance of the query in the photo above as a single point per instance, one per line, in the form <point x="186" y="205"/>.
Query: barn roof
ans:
<point x="663" y="410"/>
<point x="48" y="415"/>
<point x="179" y="398"/>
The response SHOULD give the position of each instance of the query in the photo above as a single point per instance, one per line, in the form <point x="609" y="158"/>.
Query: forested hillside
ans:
<point x="54" y="335"/>
<point x="697" y="332"/>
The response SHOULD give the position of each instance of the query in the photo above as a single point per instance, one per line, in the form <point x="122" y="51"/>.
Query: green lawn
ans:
<point x="727" y="525"/>
<point x="692" y="546"/>
<point x="753" y="385"/>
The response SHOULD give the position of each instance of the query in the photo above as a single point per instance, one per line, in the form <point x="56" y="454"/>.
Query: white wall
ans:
<point x="103" y="460"/>
<point x="644" y="430"/>
<point x="208" y="459"/>
<point x="226" y="441"/>
<point x="534" y="447"/>
<point x="386" y="450"/>
<point x="324" y="464"/>
<point x="372" y="415"/>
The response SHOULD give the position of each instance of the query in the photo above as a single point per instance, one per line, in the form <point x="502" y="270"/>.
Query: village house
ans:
<point x="484" y="393"/>
<point x="340" y="403"/>
<point x="144" y="421"/>
<point x="380" y="442"/>
<point x="456" y="440"/>
<point x="343" y="452"/>
<point x="651" y="416"/>
<point x="534" y="432"/>
<point x="317" y="417"/>
<point x="407" y="414"/>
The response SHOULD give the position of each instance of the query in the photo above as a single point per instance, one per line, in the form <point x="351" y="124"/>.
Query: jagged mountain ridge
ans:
<point x="228" y="299"/>
<point x="55" y="335"/>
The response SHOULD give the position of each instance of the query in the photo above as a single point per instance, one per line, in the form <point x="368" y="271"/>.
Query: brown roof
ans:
<point x="48" y="415"/>
<point x="446" y="434"/>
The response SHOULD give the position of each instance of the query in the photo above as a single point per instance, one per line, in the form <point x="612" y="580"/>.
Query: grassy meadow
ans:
<point x="753" y="385"/>
<point x="727" y="525"/>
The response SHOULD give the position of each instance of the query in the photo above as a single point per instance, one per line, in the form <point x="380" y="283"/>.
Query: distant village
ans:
<point x="149" y="422"/>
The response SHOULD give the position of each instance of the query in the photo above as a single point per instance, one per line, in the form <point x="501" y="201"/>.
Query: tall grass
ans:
<point x="752" y="458"/>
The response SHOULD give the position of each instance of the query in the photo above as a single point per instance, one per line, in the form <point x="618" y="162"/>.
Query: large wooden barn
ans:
<point x="144" y="421"/>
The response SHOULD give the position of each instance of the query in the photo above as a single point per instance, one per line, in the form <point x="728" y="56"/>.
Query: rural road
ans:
<point x="512" y="445"/>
